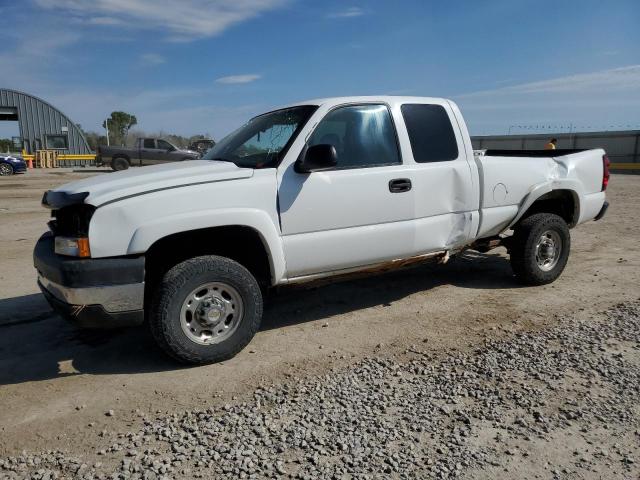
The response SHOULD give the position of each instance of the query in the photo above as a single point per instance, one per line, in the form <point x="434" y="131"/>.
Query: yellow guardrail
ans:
<point x="625" y="166"/>
<point x="64" y="156"/>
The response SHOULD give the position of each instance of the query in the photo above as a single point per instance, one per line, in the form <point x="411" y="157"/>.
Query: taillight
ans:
<point x="605" y="172"/>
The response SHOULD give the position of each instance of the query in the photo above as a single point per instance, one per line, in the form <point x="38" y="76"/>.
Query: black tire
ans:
<point x="6" y="169"/>
<point x="525" y="252"/>
<point x="119" y="164"/>
<point x="165" y="320"/>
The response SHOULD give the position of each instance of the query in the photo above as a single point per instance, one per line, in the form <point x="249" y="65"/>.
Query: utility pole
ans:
<point x="106" y="127"/>
<point x="571" y="138"/>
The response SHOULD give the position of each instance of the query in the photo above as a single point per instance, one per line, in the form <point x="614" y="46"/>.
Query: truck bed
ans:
<point x="532" y="153"/>
<point x="505" y="191"/>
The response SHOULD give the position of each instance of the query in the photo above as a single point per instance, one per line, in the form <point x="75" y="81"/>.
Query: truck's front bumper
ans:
<point x="92" y="292"/>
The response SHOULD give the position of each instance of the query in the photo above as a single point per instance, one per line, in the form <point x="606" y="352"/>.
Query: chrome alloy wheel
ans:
<point x="5" y="169"/>
<point x="548" y="250"/>
<point x="211" y="313"/>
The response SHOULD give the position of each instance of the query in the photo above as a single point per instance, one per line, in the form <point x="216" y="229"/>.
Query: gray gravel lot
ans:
<point x="557" y="403"/>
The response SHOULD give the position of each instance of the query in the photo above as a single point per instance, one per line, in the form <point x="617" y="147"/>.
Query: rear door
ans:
<point x="359" y="213"/>
<point x="445" y="196"/>
<point x="148" y="151"/>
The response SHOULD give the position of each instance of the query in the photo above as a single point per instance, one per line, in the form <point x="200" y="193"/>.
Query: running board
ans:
<point x="366" y="270"/>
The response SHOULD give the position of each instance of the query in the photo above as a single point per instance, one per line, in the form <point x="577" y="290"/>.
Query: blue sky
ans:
<point x="205" y="66"/>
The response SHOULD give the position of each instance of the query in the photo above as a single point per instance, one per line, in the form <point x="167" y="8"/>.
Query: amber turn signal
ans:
<point x="73" y="246"/>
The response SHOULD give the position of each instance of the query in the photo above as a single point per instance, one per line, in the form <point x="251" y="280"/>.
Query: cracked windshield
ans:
<point x="260" y="142"/>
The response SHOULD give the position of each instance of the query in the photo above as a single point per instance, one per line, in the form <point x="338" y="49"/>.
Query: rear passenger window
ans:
<point x="430" y="132"/>
<point x="363" y="136"/>
<point x="149" y="143"/>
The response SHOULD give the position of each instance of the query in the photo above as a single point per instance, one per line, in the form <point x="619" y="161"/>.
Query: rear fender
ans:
<point x="541" y="189"/>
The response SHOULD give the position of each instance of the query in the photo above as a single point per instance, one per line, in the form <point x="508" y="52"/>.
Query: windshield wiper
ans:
<point x="220" y="159"/>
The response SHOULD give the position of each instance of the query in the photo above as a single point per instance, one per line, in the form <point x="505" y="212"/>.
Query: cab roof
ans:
<point x="389" y="99"/>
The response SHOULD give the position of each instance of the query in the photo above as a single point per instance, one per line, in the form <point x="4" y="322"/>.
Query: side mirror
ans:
<point x="317" y="158"/>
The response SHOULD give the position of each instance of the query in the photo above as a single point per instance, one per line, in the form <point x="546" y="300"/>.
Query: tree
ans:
<point x="6" y="145"/>
<point x="94" y="139"/>
<point x="119" y="125"/>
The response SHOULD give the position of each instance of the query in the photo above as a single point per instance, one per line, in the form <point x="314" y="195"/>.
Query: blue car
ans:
<point x="10" y="165"/>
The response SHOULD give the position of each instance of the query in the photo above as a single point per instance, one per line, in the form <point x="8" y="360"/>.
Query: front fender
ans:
<point x="129" y="226"/>
<point x="149" y="233"/>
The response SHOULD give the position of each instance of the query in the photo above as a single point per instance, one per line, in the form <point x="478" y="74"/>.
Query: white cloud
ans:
<point x="588" y="101"/>
<point x="174" y="110"/>
<point x="108" y="21"/>
<point x="218" y="120"/>
<point x="183" y="19"/>
<point x="605" y="80"/>
<point x="151" y="59"/>
<point x="348" y="13"/>
<point x="238" y="79"/>
<point x="35" y="50"/>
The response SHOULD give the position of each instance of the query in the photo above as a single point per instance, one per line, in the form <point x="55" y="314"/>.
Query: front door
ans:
<point x="165" y="152"/>
<point x="357" y="214"/>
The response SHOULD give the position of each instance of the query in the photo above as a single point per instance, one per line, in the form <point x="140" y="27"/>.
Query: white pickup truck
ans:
<point x="318" y="189"/>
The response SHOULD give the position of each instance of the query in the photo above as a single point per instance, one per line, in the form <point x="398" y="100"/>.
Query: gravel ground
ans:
<point x="557" y="403"/>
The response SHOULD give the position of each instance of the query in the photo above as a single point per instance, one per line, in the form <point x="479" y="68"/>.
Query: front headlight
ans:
<point x="72" y="246"/>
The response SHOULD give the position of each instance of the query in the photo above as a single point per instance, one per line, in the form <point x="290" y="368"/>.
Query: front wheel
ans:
<point x="540" y="249"/>
<point x="6" y="169"/>
<point x="119" y="163"/>
<point x="206" y="310"/>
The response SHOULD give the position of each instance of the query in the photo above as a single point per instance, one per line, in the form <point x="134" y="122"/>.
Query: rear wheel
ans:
<point x="206" y="310"/>
<point x="5" y="169"/>
<point x="119" y="163"/>
<point x="540" y="248"/>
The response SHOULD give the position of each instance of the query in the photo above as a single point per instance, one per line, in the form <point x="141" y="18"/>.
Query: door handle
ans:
<point x="398" y="185"/>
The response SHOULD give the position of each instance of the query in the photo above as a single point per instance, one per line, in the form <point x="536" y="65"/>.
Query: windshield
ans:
<point x="262" y="141"/>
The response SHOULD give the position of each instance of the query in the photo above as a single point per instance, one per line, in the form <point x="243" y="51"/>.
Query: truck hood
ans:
<point x="110" y="187"/>
<point x="188" y="151"/>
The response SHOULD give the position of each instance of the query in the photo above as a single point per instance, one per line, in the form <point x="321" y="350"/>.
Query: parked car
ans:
<point x="148" y="151"/>
<point x="10" y="164"/>
<point x="317" y="190"/>
<point x="202" y="146"/>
